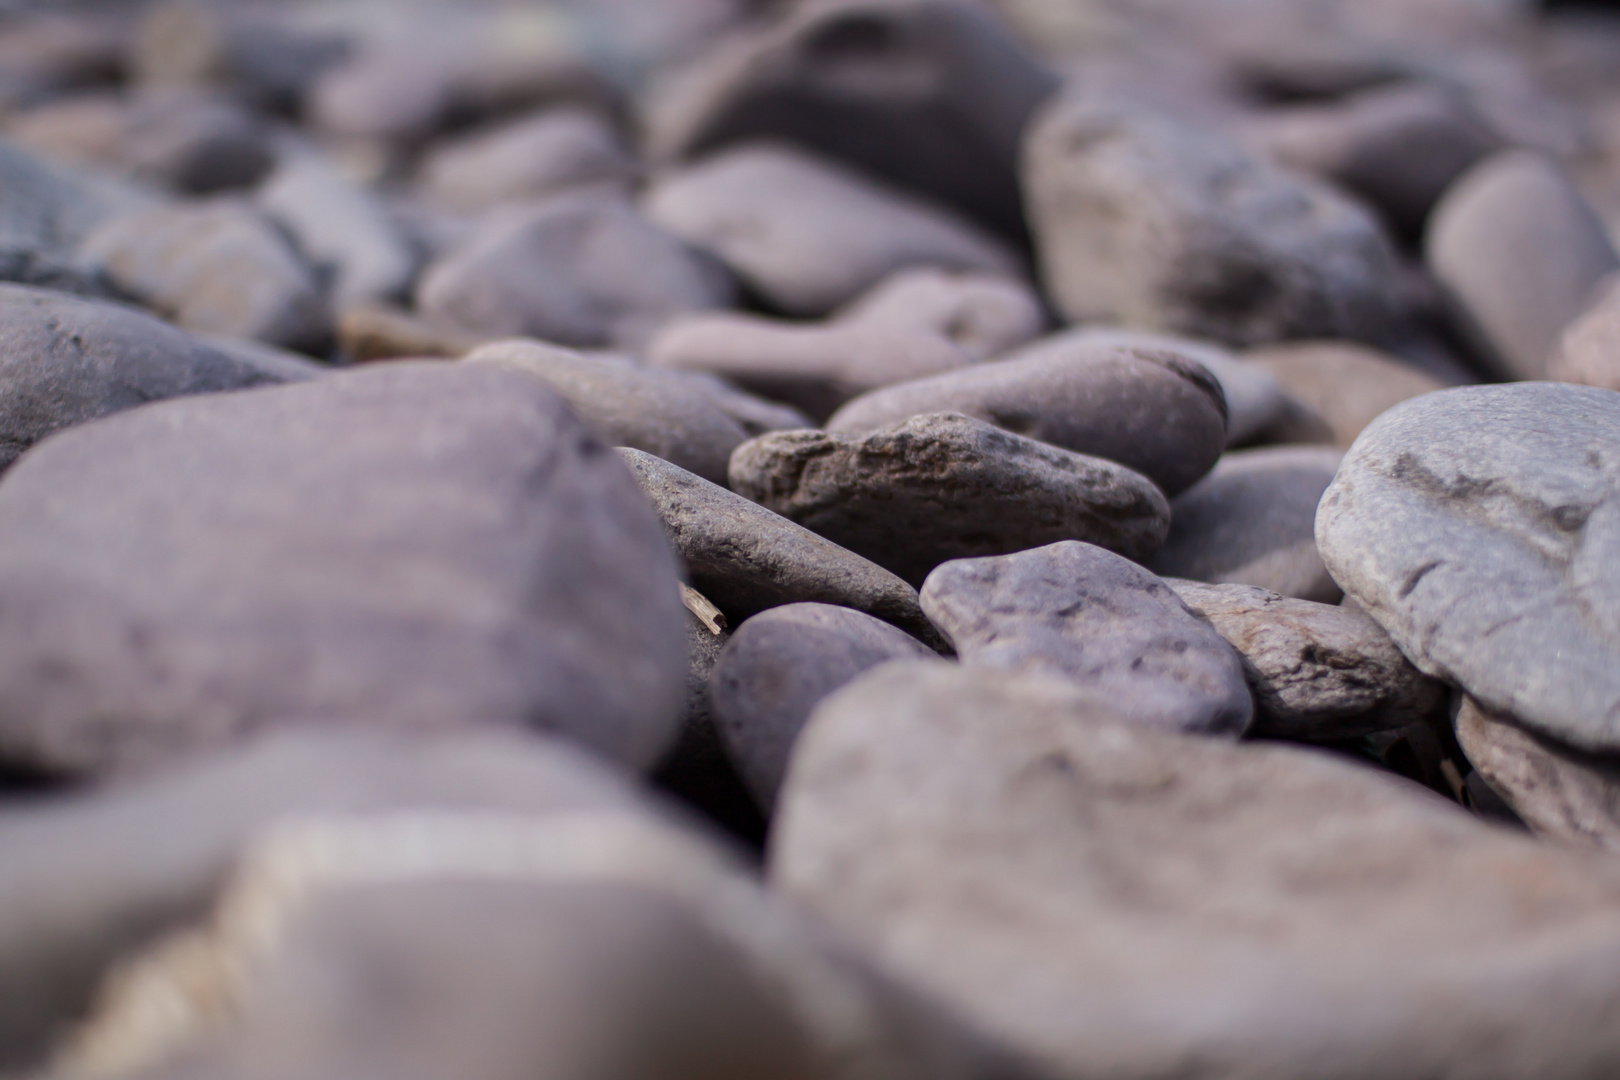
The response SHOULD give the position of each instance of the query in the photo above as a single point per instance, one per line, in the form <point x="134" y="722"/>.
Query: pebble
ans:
<point x="582" y="269"/>
<point x="1150" y="410"/>
<point x="1118" y="901"/>
<point x="930" y="96"/>
<point x="1587" y="351"/>
<point x="984" y="315"/>
<point x="1346" y="384"/>
<point x="1397" y="145"/>
<point x="1317" y="671"/>
<point x="529" y="158"/>
<point x="66" y="360"/>
<point x="946" y="486"/>
<point x="809" y="234"/>
<point x="218" y="267"/>
<point x="46" y="211"/>
<point x="418" y="546"/>
<point x="814" y="367"/>
<point x="628" y="405"/>
<point x="1477" y="526"/>
<point x="746" y="559"/>
<point x="1520" y="254"/>
<point x="778" y="666"/>
<point x="341" y="228"/>
<point x="1083" y="613"/>
<point x="1143" y="220"/>
<point x="1252" y="521"/>
<point x="1559" y="792"/>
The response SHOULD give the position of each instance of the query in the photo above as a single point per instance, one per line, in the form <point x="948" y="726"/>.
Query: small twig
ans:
<point x="707" y="613"/>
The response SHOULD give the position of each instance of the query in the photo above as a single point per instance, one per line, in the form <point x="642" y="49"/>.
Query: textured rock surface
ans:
<point x="928" y="95"/>
<point x="1100" y="621"/>
<point x="814" y="367"/>
<point x="64" y="361"/>
<point x="1151" y="410"/>
<point x="745" y="558"/>
<point x="1348" y="385"/>
<point x="628" y="405"/>
<point x="580" y="269"/>
<point x="1126" y="903"/>
<point x="1317" y="671"/>
<point x="1520" y="254"/>
<point x="778" y="666"/>
<point x="1478" y="526"/>
<point x="945" y="486"/>
<point x="1252" y="522"/>
<point x="417" y="546"/>
<point x="1561" y="793"/>
<point x="1142" y="220"/>
<point x="808" y="234"/>
<point x="983" y="315"/>
<point x="215" y="268"/>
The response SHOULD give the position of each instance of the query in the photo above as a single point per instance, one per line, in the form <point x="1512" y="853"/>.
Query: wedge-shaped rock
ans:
<point x="1151" y="410"/>
<point x="1106" y="624"/>
<point x="1481" y="528"/>
<point x="420" y="546"/>
<point x="946" y="486"/>
<point x="746" y="559"/>
<point x="1127" y="903"/>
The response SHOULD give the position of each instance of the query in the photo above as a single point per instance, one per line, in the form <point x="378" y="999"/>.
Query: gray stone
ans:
<point x="280" y="365"/>
<point x="626" y="405"/>
<point x="64" y="360"/>
<point x="1348" y="385"/>
<point x="1153" y="411"/>
<point x="815" y="367"/>
<point x="253" y="53"/>
<point x="216" y="267"/>
<point x="1478" y="526"/>
<point x="174" y="137"/>
<point x="582" y="269"/>
<point x="1143" y="220"/>
<point x="946" y="486"/>
<point x="1085" y="614"/>
<point x="1559" y="792"/>
<point x="1124" y="903"/>
<point x="1399" y="146"/>
<point x="1317" y="671"/>
<point x="755" y="415"/>
<point x="746" y="559"/>
<point x="528" y="158"/>
<point x="1588" y="351"/>
<point x="1255" y="402"/>
<point x="340" y="227"/>
<point x="778" y="666"/>
<point x="45" y="213"/>
<point x="928" y="95"/>
<point x="1520" y="255"/>
<point x="500" y="908"/>
<point x="92" y="876"/>
<point x="1252" y="522"/>
<point x="417" y="546"/>
<point x="982" y="314"/>
<point x="808" y="234"/>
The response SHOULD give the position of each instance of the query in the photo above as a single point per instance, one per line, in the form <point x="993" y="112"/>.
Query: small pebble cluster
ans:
<point x="809" y="540"/>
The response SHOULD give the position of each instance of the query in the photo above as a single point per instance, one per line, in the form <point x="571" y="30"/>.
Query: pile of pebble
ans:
<point x="814" y="540"/>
